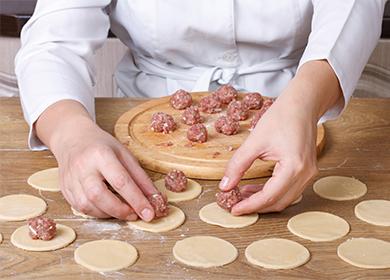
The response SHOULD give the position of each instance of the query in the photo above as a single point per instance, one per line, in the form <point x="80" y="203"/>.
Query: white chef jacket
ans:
<point x="255" y="45"/>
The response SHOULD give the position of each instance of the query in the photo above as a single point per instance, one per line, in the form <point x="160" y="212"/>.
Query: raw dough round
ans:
<point x="193" y="191"/>
<point x="82" y="215"/>
<point x="174" y="219"/>
<point x="339" y="188"/>
<point x="277" y="253"/>
<point x="376" y="212"/>
<point x="204" y="251"/>
<point x="215" y="215"/>
<point x="365" y="252"/>
<point x="45" y="180"/>
<point x="21" y="239"/>
<point x="318" y="226"/>
<point x="19" y="207"/>
<point x="299" y="199"/>
<point x="106" y="255"/>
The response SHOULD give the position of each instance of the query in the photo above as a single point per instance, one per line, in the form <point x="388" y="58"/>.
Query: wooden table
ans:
<point x="358" y="144"/>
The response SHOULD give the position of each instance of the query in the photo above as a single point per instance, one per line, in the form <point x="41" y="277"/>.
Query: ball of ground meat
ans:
<point x="162" y="122"/>
<point x="226" y="94"/>
<point x="210" y="104"/>
<point x="159" y="203"/>
<point x="227" y="200"/>
<point x="197" y="133"/>
<point x="191" y="115"/>
<point x="181" y="99"/>
<point x="237" y="110"/>
<point x="227" y="125"/>
<point x="176" y="181"/>
<point x="253" y="100"/>
<point x="42" y="228"/>
<point x="257" y="116"/>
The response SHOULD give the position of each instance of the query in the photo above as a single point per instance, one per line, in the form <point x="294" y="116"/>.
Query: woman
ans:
<point x="309" y="53"/>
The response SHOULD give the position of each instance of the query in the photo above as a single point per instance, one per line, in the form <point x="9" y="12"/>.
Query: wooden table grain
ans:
<point x="358" y="144"/>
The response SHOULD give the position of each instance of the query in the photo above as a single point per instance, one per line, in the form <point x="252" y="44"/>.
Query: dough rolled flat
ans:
<point x="204" y="251"/>
<point x="82" y="215"/>
<point x="376" y="212"/>
<point x="106" y="255"/>
<point x="365" y="252"/>
<point x="339" y="188"/>
<point x="194" y="189"/>
<point x="318" y="226"/>
<point x="277" y="253"/>
<point x="45" y="180"/>
<point x="215" y="215"/>
<point x="21" y="239"/>
<point x="19" y="207"/>
<point x="174" y="219"/>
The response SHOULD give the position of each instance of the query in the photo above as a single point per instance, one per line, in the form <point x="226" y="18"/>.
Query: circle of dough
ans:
<point x="174" y="219"/>
<point x="277" y="253"/>
<point x="365" y="252"/>
<point x="339" y="188"/>
<point x="64" y="236"/>
<point x="45" y="180"/>
<point x="296" y="201"/>
<point x="194" y="189"/>
<point x="19" y="207"/>
<point x="214" y="215"/>
<point x="106" y="255"/>
<point x="376" y="212"/>
<point x="82" y="215"/>
<point x="318" y="226"/>
<point x="204" y="251"/>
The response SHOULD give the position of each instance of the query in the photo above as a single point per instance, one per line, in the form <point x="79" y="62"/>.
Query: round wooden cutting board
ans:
<point x="163" y="152"/>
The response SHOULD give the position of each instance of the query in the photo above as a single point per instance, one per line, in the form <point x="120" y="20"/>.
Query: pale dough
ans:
<point x="318" y="226"/>
<point x="106" y="255"/>
<point x="277" y="253"/>
<point x="215" y="215"/>
<point x="339" y="188"/>
<point x="174" y="219"/>
<point x="376" y="212"/>
<point x="299" y="199"/>
<point x="204" y="251"/>
<point x="78" y="213"/>
<point x="193" y="191"/>
<point x="365" y="252"/>
<point x="45" y="180"/>
<point x="64" y="236"/>
<point x="19" y="207"/>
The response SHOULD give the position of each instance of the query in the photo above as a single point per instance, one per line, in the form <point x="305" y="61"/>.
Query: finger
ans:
<point x="248" y="190"/>
<point x="137" y="173"/>
<point x="238" y="165"/>
<point x="83" y="205"/>
<point x="272" y="191"/>
<point x="119" y="178"/>
<point x="103" y="199"/>
<point x="285" y="201"/>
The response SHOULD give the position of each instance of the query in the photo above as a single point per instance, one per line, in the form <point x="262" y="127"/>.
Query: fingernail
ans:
<point x="147" y="214"/>
<point x="224" y="182"/>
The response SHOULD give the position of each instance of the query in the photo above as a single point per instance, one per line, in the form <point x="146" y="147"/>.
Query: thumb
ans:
<point x="237" y="166"/>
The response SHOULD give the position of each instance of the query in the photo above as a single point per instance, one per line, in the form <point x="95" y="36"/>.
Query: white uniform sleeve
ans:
<point x="344" y="33"/>
<point x="55" y="61"/>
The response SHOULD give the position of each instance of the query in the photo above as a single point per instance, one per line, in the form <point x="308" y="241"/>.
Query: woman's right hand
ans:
<point x="87" y="156"/>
